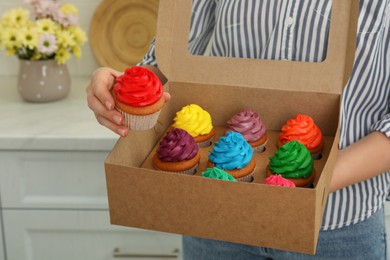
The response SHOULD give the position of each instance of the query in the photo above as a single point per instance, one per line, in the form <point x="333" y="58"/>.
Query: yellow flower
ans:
<point x="10" y="39"/>
<point x="29" y="37"/>
<point x="47" y="25"/>
<point x="78" y="34"/>
<point x="69" y="9"/>
<point x="10" y="52"/>
<point x="65" y="38"/>
<point x="16" y="18"/>
<point x="76" y="50"/>
<point x="62" y="55"/>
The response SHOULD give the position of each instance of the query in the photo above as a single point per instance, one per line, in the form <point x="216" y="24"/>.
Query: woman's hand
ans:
<point x="101" y="101"/>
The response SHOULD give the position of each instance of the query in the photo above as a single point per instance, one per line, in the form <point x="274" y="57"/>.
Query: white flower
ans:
<point x="47" y="44"/>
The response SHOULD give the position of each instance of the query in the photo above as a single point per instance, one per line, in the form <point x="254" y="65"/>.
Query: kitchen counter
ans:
<point x="67" y="124"/>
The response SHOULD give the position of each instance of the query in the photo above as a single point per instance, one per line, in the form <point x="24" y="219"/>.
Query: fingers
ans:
<point x="101" y="83"/>
<point x="101" y="102"/>
<point x="167" y="96"/>
<point x="111" y="119"/>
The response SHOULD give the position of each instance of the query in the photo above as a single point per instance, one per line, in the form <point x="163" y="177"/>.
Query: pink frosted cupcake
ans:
<point x="177" y="152"/>
<point x="138" y="95"/>
<point x="248" y="123"/>
<point x="278" y="180"/>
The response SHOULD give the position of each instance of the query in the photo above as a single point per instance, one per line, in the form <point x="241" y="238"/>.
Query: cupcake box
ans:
<point x="249" y="213"/>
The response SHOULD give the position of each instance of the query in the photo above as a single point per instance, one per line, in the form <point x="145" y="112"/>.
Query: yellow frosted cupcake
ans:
<point x="197" y="122"/>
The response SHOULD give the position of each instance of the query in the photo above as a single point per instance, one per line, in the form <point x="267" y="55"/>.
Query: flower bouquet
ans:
<point x="52" y="34"/>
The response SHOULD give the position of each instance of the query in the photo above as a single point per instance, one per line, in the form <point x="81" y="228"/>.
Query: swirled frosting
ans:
<point x="303" y="129"/>
<point x="177" y="145"/>
<point x="292" y="160"/>
<point x="231" y="152"/>
<point x="138" y="87"/>
<point x="248" y="123"/>
<point x="278" y="180"/>
<point x="216" y="173"/>
<point x="194" y="119"/>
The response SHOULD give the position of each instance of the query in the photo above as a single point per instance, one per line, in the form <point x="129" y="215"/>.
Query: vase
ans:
<point x="43" y="80"/>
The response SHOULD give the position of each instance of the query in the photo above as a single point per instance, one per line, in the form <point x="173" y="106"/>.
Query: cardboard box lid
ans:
<point x="329" y="76"/>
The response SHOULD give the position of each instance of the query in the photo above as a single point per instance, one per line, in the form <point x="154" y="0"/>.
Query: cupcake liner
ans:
<point x="247" y="178"/>
<point x="260" y="148"/>
<point x="190" y="171"/>
<point x="316" y="156"/>
<point x="206" y="143"/>
<point x="140" y="123"/>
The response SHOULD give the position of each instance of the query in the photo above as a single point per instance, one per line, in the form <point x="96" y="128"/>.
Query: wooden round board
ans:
<point x="121" y="31"/>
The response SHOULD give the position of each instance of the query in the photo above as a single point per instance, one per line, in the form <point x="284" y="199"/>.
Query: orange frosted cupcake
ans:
<point x="138" y="95"/>
<point x="177" y="152"/>
<point x="303" y="129"/>
<point x="197" y="122"/>
<point x="234" y="155"/>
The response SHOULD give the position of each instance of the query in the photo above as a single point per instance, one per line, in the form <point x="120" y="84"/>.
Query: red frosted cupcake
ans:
<point x="177" y="152"/>
<point x="248" y="123"/>
<point x="138" y="95"/>
<point x="303" y="129"/>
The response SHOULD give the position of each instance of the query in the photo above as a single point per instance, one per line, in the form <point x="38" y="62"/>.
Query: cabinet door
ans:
<point x="2" y="252"/>
<point x="81" y="235"/>
<point x="53" y="179"/>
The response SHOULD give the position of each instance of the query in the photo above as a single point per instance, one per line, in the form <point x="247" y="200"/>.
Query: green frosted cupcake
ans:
<point x="216" y="173"/>
<point x="294" y="162"/>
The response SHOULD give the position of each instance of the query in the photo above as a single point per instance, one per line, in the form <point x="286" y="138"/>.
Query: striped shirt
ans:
<point x="298" y="30"/>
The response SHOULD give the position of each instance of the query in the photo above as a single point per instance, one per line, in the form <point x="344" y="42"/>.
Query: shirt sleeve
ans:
<point x="150" y="56"/>
<point x="383" y="125"/>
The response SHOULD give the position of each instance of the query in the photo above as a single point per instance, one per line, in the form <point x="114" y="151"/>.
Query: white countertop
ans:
<point x="67" y="124"/>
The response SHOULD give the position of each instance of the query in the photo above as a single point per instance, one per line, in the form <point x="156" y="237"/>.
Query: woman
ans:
<point x="353" y="222"/>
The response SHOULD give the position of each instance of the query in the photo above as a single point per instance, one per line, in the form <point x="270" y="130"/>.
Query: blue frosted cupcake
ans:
<point x="233" y="154"/>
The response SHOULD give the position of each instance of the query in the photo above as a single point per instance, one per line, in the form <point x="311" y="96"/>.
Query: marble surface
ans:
<point x="67" y="124"/>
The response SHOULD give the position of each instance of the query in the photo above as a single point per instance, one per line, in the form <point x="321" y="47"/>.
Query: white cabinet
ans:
<point x="2" y="253"/>
<point x="80" y="235"/>
<point x="54" y="206"/>
<point x="53" y="179"/>
<point x="52" y="185"/>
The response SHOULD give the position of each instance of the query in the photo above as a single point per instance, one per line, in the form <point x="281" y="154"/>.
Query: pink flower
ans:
<point x="65" y="20"/>
<point x="44" y="8"/>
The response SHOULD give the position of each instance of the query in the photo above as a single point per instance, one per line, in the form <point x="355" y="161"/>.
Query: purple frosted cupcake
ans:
<point x="177" y="152"/>
<point x="248" y="123"/>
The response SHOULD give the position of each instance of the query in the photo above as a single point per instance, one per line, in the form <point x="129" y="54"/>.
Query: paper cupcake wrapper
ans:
<point x="247" y="178"/>
<point x="190" y="171"/>
<point x="140" y="123"/>
<point x="316" y="156"/>
<point x="260" y="148"/>
<point x="206" y="143"/>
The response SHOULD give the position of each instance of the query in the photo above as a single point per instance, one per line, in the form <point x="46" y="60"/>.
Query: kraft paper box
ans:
<point x="249" y="213"/>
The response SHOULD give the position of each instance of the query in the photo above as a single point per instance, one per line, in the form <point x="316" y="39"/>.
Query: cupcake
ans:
<point x="303" y="129"/>
<point x="177" y="152"/>
<point x="293" y="162"/>
<point x="248" y="123"/>
<point x="197" y="122"/>
<point x="278" y="180"/>
<point x="215" y="173"/>
<point x="234" y="155"/>
<point x="138" y="95"/>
